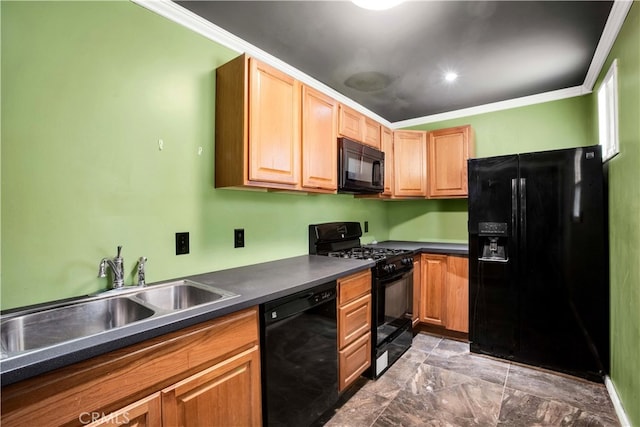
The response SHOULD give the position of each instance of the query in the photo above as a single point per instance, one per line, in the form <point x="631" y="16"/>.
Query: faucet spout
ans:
<point x="116" y="265"/>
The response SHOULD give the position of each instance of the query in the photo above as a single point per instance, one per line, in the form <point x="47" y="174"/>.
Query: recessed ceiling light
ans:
<point x="377" y="4"/>
<point x="451" y="76"/>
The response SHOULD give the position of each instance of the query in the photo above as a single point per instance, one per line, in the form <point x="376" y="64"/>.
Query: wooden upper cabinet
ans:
<point x="371" y="133"/>
<point x="319" y="140"/>
<point x="274" y="123"/>
<point x="387" y="147"/>
<point x="410" y="152"/>
<point x="448" y="151"/>
<point x="257" y="126"/>
<point x="355" y="125"/>
<point x="350" y="123"/>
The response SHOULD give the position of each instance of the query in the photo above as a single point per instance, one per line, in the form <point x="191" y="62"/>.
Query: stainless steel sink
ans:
<point x="181" y="295"/>
<point x="52" y="326"/>
<point x="32" y="330"/>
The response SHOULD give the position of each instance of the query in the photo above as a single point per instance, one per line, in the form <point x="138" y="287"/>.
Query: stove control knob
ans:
<point x="388" y="268"/>
<point x="407" y="261"/>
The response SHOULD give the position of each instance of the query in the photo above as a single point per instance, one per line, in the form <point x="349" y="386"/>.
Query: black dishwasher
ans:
<point x="299" y="357"/>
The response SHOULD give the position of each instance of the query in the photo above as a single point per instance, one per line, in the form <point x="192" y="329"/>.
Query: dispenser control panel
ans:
<point x="492" y="228"/>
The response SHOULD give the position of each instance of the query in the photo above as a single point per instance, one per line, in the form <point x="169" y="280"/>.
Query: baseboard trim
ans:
<point x="617" y="403"/>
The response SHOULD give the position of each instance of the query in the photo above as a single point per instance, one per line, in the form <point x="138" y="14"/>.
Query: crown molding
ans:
<point x="494" y="106"/>
<point x="618" y="13"/>
<point x="190" y="20"/>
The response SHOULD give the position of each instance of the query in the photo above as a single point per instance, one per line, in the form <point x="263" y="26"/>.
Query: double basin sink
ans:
<point x="49" y="326"/>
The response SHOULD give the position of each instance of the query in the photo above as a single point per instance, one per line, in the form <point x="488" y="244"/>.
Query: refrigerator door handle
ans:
<point x="514" y="207"/>
<point x="523" y="210"/>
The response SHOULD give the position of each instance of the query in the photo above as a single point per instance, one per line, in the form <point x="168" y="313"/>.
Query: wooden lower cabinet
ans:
<point x="354" y="359"/>
<point x="354" y="319"/>
<point x="444" y="291"/>
<point x="432" y="299"/>
<point x="206" y="374"/>
<point x="146" y="412"/>
<point x="417" y="286"/>
<point x="457" y="294"/>
<point x="211" y="397"/>
<point x="354" y="327"/>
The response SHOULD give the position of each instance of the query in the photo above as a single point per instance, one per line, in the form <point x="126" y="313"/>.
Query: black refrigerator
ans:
<point x="538" y="260"/>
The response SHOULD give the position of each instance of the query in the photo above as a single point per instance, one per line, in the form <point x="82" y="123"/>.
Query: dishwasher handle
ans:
<point x="283" y="308"/>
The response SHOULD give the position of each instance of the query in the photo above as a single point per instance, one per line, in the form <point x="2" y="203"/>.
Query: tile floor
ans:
<point x="438" y="382"/>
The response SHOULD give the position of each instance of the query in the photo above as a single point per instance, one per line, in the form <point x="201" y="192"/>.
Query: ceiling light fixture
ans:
<point x="377" y="4"/>
<point x="451" y="76"/>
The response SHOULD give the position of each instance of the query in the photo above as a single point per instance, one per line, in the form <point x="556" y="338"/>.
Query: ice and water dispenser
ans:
<point x="493" y="241"/>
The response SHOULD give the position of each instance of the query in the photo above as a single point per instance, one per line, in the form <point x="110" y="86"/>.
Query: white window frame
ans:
<point x="608" y="113"/>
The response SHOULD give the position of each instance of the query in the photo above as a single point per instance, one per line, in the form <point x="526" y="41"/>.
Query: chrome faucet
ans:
<point x="117" y="269"/>
<point x="141" y="262"/>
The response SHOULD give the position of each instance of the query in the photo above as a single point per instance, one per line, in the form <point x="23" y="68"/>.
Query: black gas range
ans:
<point x="391" y="290"/>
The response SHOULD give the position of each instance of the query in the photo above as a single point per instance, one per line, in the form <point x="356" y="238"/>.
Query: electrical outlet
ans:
<point x="182" y="243"/>
<point x="238" y="238"/>
<point x="366" y="226"/>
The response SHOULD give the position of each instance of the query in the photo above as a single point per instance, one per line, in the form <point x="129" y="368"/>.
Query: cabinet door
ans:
<point x="350" y="123"/>
<point x="319" y="141"/>
<point x="371" y="133"/>
<point x="417" y="288"/>
<point x="146" y="412"/>
<point x="410" y="154"/>
<point x="432" y="300"/>
<point x="387" y="147"/>
<point x="448" y="151"/>
<point x="354" y="319"/>
<point x="274" y="125"/>
<point x="354" y="360"/>
<point x="457" y="290"/>
<point x="227" y="394"/>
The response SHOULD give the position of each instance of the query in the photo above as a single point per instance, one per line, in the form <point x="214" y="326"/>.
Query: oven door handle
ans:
<point x="395" y="276"/>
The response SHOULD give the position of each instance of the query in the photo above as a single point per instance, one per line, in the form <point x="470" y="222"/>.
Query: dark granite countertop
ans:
<point x="426" y="247"/>
<point x="256" y="284"/>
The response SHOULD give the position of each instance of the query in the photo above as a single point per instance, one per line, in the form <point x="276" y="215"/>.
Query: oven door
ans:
<point x="393" y="304"/>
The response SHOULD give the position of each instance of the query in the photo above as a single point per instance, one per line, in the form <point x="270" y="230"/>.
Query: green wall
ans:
<point x="558" y="124"/>
<point x="624" y="217"/>
<point x="88" y="89"/>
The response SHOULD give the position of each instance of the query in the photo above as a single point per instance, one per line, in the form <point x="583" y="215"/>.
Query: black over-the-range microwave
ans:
<point x="360" y="168"/>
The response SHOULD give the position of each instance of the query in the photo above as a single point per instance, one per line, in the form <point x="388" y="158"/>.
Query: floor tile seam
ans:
<point x="504" y="388"/>
<point x="470" y="378"/>
<point x="386" y="406"/>
<point x="466" y="374"/>
<point x="431" y="351"/>
<point x="564" y="402"/>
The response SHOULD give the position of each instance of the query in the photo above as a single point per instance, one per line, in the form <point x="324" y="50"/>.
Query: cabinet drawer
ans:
<point x="354" y="286"/>
<point x="354" y="320"/>
<point x="354" y="359"/>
